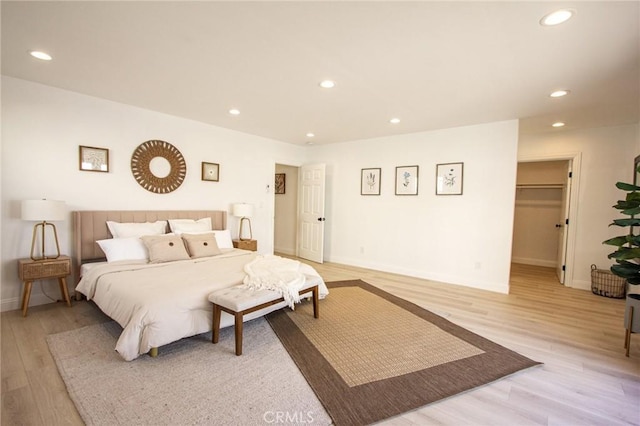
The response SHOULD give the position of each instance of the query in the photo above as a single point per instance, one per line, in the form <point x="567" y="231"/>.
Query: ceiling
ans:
<point x="434" y="65"/>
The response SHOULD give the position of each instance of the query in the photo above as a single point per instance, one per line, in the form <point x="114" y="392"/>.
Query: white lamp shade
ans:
<point x="242" y="210"/>
<point x="43" y="210"/>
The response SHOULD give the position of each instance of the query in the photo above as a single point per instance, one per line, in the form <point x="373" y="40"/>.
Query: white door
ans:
<point x="311" y="212"/>
<point x="564" y="225"/>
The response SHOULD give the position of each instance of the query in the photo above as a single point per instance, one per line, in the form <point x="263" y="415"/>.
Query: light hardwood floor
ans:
<point x="585" y="379"/>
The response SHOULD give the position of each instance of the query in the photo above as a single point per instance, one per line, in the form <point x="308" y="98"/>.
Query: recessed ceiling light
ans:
<point x="559" y="93"/>
<point x="327" y="84"/>
<point x="557" y="17"/>
<point x="40" y="55"/>
<point x="394" y="121"/>
<point x="234" y="111"/>
<point x="558" y="124"/>
<point x="310" y="135"/>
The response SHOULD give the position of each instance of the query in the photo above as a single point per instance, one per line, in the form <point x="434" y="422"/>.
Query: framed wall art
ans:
<point x="449" y="178"/>
<point x="211" y="172"/>
<point x="280" y="183"/>
<point x="370" y="181"/>
<point x="158" y="166"/>
<point x="407" y="180"/>
<point x="94" y="159"/>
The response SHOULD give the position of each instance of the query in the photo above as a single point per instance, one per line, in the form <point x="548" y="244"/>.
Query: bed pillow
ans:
<point x="117" y="249"/>
<point x="201" y="245"/>
<point x="165" y="248"/>
<point x="128" y="230"/>
<point x="178" y="226"/>
<point x="223" y="238"/>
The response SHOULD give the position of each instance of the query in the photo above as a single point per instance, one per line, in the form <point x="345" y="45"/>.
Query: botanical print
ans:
<point x="94" y="159"/>
<point x="449" y="179"/>
<point x="407" y="180"/>
<point x="280" y="183"/>
<point x="370" y="182"/>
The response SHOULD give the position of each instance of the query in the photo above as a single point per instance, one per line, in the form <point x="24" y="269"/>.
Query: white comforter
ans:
<point x="157" y="304"/>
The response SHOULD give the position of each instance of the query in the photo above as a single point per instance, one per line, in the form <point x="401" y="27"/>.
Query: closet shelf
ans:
<point x="539" y="186"/>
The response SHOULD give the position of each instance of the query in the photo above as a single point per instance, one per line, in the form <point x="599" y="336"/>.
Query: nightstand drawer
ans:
<point x="246" y="244"/>
<point x="31" y="270"/>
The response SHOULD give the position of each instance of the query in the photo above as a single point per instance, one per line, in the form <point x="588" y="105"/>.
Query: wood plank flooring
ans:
<point x="585" y="379"/>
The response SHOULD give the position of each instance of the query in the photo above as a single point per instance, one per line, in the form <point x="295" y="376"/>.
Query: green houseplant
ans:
<point x="627" y="251"/>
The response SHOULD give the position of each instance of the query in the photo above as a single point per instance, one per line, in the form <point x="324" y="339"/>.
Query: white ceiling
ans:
<point x="432" y="64"/>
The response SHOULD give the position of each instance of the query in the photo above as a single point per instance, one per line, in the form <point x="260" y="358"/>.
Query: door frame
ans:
<point x="576" y="161"/>
<point x="271" y="189"/>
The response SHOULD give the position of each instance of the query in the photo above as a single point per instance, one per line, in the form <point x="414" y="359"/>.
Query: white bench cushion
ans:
<point x="240" y="298"/>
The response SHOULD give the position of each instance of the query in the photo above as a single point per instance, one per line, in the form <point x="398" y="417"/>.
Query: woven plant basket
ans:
<point x="604" y="283"/>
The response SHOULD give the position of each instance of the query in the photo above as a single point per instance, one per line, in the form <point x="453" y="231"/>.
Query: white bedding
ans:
<point x="157" y="304"/>
<point x="275" y="273"/>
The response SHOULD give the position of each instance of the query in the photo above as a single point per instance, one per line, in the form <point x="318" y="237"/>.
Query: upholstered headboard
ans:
<point x="91" y="225"/>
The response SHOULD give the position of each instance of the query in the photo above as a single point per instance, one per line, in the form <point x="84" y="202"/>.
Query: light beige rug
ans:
<point x="190" y="382"/>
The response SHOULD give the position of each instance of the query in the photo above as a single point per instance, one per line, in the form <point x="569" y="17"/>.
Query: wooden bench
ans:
<point x="240" y="301"/>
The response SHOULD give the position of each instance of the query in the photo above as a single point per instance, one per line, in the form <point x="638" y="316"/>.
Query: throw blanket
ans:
<point x="275" y="273"/>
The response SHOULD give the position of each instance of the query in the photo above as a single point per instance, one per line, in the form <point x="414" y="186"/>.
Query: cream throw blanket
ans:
<point x="275" y="273"/>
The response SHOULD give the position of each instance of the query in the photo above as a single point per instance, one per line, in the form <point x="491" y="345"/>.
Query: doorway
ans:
<point x="541" y="214"/>
<point x="299" y="208"/>
<point x="285" y="226"/>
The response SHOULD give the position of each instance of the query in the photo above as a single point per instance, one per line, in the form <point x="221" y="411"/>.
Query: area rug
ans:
<point x="371" y="355"/>
<point x="190" y="382"/>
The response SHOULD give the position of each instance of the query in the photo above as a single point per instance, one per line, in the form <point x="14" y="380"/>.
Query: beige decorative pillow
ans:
<point x="201" y="245"/>
<point x="165" y="248"/>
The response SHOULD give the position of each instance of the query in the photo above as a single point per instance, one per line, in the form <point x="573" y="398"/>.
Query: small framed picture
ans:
<point x="280" y="183"/>
<point x="211" y="171"/>
<point x="449" y="178"/>
<point x="407" y="180"/>
<point x="370" y="181"/>
<point x="94" y="159"/>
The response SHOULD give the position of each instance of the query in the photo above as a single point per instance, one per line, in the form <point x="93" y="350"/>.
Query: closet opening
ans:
<point x="541" y="219"/>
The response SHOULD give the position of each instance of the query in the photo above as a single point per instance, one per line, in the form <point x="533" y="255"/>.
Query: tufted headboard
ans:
<point x="91" y="225"/>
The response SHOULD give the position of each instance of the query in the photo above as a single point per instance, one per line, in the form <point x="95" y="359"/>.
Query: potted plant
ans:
<point x="627" y="253"/>
<point x="628" y="245"/>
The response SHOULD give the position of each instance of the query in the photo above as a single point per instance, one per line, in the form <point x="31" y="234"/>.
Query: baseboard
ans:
<point x="535" y="262"/>
<point x="581" y="284"/>
<point x="287" y="251"/>
<point x="14" y="303"/>
<point x="442" y="278"/>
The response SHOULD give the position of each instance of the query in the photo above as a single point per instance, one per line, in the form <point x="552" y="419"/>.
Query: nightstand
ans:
<point x="31" y="270"/>
<point x="246" y="244"/>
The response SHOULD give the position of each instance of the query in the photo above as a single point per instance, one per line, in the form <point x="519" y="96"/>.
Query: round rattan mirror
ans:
<point x="143" y="171"/>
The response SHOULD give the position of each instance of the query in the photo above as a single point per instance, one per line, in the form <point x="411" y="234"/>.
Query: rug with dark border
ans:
<point x="372" y="355"/>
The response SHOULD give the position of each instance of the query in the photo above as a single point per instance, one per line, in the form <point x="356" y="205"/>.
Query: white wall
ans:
<point x="456" y="239"/>
<point x="607" y="155"/>
<point x="42" y="128"/>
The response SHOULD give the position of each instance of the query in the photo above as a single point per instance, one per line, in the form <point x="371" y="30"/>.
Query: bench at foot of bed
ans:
<point x="239" y="301"/>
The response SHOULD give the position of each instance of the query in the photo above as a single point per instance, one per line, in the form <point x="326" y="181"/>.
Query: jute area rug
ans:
<point x="191" y="382"/>
<point x="372" y="355"/>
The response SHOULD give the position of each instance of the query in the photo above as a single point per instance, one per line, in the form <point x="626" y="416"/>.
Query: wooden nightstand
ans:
<point x="246" y="244"/>
<point x="31" y="270"/>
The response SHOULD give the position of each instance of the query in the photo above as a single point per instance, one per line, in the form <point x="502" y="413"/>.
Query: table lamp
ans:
<point x="243" y="211"/>
<point x="43" y="211"/>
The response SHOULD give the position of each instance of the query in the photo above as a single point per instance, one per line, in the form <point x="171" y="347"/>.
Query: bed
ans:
<point x="159" y="303"/>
